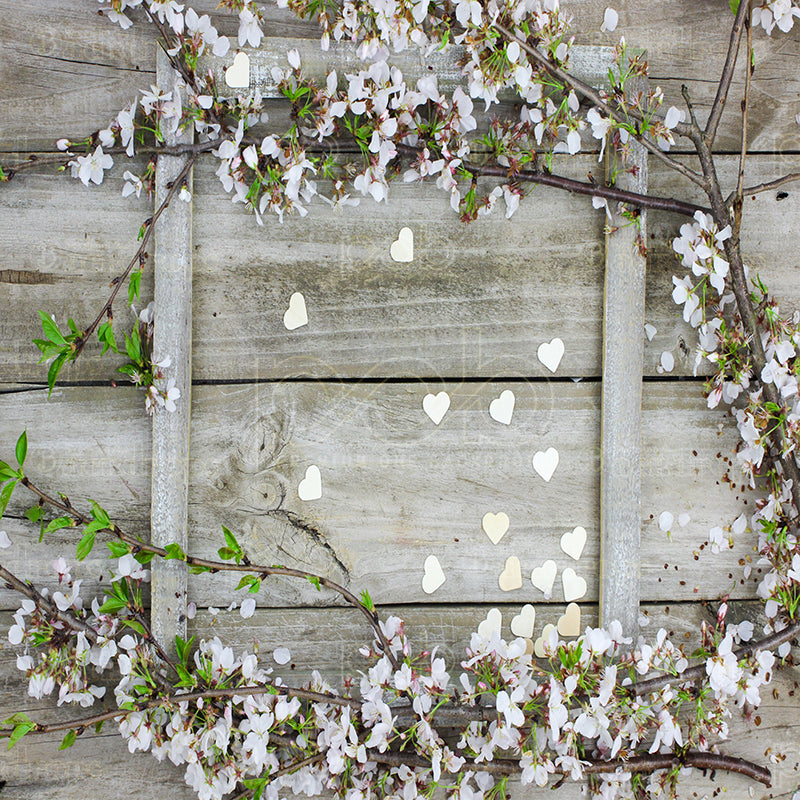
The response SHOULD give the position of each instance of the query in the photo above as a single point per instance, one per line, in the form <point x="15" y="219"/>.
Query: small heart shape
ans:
<point x="296" y="315"/>
<point x="433" y="577"/>
<point x="570" y="623"/>
<point x="545" y="463"/>
<point x="310" y="488"/>
<point x="539" y="645"/>
<point x="572" y="543"/>
<point x="511" y="576"/>
<point x="502" y="408"/>
<point x="544" y="577"/>
<point x="436" y="405"/>
<point x="574" y="585"/>
<point x="237" y="75"/>
<point x="402" y="249"/>
<point x="550" y="353"/>
<point x="495" y="526"/>
<point x="522" y="624"/>
<point x="491" y="625"/>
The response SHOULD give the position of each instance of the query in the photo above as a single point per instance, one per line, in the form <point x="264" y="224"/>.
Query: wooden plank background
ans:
<point x="345" y="392"/>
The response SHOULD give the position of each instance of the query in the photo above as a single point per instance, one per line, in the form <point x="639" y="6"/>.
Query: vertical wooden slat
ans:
<point x="623" y="351"/>
<point x="173" y="339"/>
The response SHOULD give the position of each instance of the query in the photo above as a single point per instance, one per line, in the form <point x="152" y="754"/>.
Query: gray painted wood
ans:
<point x="172" y="339"/>
<point x="395" y="488"/>
<point x="623" y="356"/>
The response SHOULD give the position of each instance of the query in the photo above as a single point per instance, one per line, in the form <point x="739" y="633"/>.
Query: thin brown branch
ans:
<point x="593" y="96"/>
<point x="225" y="566"/>
<point x="766" y="187"/>
<point x="738" y="200"/>
<point x="137" y="258"/>
<point x="47" y="605"/>
<point x="718" y="106"/>
<point x="698" y="672"/>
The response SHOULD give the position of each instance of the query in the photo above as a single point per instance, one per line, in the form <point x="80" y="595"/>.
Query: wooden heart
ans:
<point x="545" y="463"/>
<point x="237" y="75"/>
<point x="511" y="576"/>
<point x="501" y="408"/>
<point x="310" y="487"/>
<point x="522" y="624"/>
<point x="572" y="543"/>
<point x="495" y="525"/>
<point x="434" y="575"/>
<point x="544" y="577"/>
<point x="436" y="405"/>
<point x="570" y="623"/>
<point x="402" y="249"/>
<point x="574" y="585"/>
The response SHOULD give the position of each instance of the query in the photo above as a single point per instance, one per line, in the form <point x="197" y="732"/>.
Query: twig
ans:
<point x="718" y="105"/>
<point x="765" y="187"/>
<point x="80" y="342"/>
<point x="224" y="566"/>
<point x="591" y="94"/>
<point x="738" y="200"/>
<point x="47" y="605"/>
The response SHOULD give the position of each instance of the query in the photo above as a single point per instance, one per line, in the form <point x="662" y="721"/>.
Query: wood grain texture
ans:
<point x="329" y="639"/>
<point x="476" y="302"/>
<point x="395" y="487"/>
<point x="172" y="338"/>
<point x="72" y="75"/>
<point x="620" y="455"/>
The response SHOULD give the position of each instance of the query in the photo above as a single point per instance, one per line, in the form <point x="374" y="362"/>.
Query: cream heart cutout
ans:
<point x="545" y="463"/>
<point x="495" y="525"/>
<point x="550" y="353"/>
<point x="296" y="315"/>
<point x="538" y="647"/>
<point x="570" y="623"/>
<point x="574" y="586"/>
<point x="502" y="408"/>
<point x="310" y="488"/>
<point x="544" y="577"/>
<point x="237" y="75"/>
<point x="522" y="624"/>
<point x="511" y="576"/>
<point x="491" y="625"/>
<point x="572" y="543"/>
<point x="433" y="577"/>
<point x="436" y="405"/>
<point x="402" y="249"/>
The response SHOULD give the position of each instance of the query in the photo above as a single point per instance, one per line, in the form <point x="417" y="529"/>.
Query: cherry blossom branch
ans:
<point x="47" y="605"/>
<point x="698" y="672"/>
<point x="638" y="764"/>
<point x="718" y="106"/>
<point x="138" y="257"/>
<point x="287" y="770"/>
<point x="167" y="150"/>
<point x="592" y="95"/>
<point x="224" y="566"/>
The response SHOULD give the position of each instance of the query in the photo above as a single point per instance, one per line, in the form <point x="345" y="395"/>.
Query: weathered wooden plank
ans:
<point x="74" y="74"/>
<point x="620" y="461"/>
<point x="328" y="639"/>
<point x="396" y="488"/>
<point x="468" y="306"/>
<point x="172" y="339"/>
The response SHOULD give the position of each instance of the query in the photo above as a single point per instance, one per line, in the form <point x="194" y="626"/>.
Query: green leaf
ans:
<point x="22" y="447"/>
<point x="226" y="554"/>
<point x="16" y="719"/>
<point x="100" y="514"/>
<point x="134" y="284"/>
<point x="182" y="648"/>
<point x="105" y="334"/>
<point x="198" y="569"/>
<point x="734" y="4"/>
<point x="247" y="580"/>
<point x="34" y="514"/>
<point x="137" y="626"/>
<point x="86" y="543"/>
<point x="7" y="473"/>
<point x="314" y="581"/>
<point x="256" y="786"/>
<point x="117" y="548"/>
<point x="68" y="740"/>
<point x="112" y="605"/>
<point x="59" y="522"/>
<point x="52" y="373"/>
<point x="174" y="551"/>
<point x="366" y="601"/>
<point x="144" y="556"/>
<point x="51" y="330"/>
<point x="5" y="496"/>
<point x="19" y="732"/>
